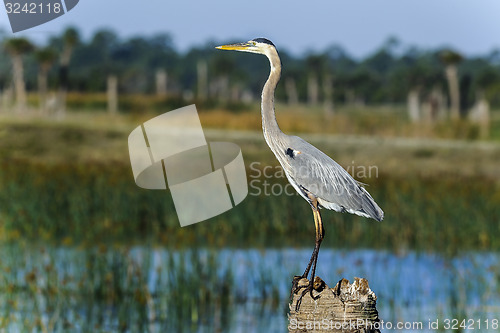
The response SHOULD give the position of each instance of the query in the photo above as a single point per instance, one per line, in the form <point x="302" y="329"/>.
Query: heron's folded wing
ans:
<point x="328" y="181"/>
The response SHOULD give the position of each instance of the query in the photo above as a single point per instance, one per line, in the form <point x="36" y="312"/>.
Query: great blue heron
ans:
<point x="316" y="177"/>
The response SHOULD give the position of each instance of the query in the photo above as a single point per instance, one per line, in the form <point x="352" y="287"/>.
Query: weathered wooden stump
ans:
<point x="343" y="308"/>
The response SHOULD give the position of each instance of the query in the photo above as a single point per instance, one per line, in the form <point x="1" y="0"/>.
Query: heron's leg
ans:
<point x="314" y="255"/>
<point x="297" y="278"/>
<point x="320" y="233"/>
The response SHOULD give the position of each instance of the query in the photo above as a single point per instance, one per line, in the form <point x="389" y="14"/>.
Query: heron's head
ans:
<point x="257" y="45"/>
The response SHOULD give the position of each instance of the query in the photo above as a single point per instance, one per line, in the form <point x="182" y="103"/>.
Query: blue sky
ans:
<point x="472" y="27"/>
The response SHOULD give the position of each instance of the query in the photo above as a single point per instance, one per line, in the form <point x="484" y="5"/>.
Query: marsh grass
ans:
<point x="70" y="183"/>
<point x="148" y="289"/>
<point x="387" y="120"/>
<point x="104" y="288"/>
<point x="71" y="218"/>
<point x="383" y="121"/>
<point x="83" y="204"/>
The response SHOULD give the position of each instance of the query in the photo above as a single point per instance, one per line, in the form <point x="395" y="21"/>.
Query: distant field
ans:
<point x="379" y="120"/>
<point x="96" y="137"/>
<point x="69" y="182"/>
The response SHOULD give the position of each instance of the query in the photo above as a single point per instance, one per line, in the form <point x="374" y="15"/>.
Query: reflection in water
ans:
<point x="229" y="290"/>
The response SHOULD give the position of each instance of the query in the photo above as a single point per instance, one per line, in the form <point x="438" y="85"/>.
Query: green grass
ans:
<point x="104" y="288"/>
<point x="383" y="121"/>
<point x="70" y="213"/>
<point x="75" y="204"/>
<point x="69" y="182"/>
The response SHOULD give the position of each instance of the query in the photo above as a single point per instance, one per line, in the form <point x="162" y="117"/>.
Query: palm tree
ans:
<point x="419" y="79"/>
<point x="291" y="90"/>
<point x="223" y="66"/>
<point x="202" y="76"/>
<point x="450" y="59"/>
<point x="17" y="47"/>
<point x="70" y="38"/>
<point x="328" y="94"/>
<point x="112" y="93"/>
<point x="320" y="71"/>
<point x="161" y="77"/>
<point x="315" y="65"/>
<point x="46" y="58"/>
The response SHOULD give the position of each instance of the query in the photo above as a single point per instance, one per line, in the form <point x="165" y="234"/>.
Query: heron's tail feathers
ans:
<point x="369" y="207"/>
<point x="361" y="204"/>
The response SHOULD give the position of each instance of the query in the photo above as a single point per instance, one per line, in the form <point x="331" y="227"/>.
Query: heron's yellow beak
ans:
<point x="237" y="47"/>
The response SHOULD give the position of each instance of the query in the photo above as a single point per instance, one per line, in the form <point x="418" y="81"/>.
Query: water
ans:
<point x="230" y="290"/>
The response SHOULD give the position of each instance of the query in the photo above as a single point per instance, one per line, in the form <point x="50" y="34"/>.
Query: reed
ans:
<point x="84" y="249"/>
<point x="73" y="204"/>
<point x="155" y="289"/>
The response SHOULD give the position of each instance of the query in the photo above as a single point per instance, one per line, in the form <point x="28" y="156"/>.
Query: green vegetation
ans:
<point x="101" y="289"/>
<point x="84" y="249"/>
<point x="76" y="204"/>
<point x="72" y="185"/>
<point x="384" y="77"/>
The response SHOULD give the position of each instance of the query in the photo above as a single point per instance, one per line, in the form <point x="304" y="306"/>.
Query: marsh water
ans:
<point x="231" y="290"/>
<point x="84" y="250"/>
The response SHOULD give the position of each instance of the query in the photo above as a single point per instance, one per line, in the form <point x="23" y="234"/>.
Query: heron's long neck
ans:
<point x="269" y="123"/>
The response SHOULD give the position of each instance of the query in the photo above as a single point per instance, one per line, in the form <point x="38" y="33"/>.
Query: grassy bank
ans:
<point x="70" y="183"/>
<point x="100" y="203"/>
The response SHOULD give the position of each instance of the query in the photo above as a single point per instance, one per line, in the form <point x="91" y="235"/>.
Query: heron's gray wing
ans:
<point x="320" y="175"/>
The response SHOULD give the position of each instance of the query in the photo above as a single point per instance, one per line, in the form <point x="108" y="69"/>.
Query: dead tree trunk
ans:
<point x="312" y="90"/>
<point x="328" y="95"/>
<point x="346" y="308"/>
<point x="202" y="73"/>
<point x="291" y="91"/>
<point x="413" y="101"/>
<point x="19" y="85"/>
<point x="452" y="78"/>
<point x="161" y="82"/>
<point x="480" y="115"/>
<point x="112" y="94"/>
<point x="43" y="88"/>
<point x="6" y="98"/>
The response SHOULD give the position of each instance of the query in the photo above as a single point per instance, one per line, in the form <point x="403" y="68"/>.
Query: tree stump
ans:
<point x="343" y="308"/>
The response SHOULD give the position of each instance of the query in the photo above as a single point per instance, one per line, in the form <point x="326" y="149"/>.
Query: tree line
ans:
<point x="392" y="74"/>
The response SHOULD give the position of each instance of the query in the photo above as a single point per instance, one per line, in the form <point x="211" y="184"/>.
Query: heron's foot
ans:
<point x="297" y="284"/>
<point x="318" y="285"/>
